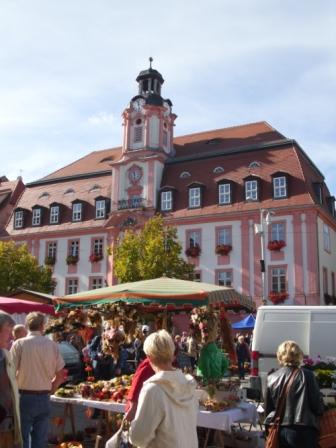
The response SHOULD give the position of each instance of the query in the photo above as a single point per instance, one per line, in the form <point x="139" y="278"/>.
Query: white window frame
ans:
<point x="225" y="236"/>
<point x="100" y="208"/>
<point x="279" y="187"/>
<point x="251" y="190"/>
<point x="18" y="219"/>
<point x="194" y="197"/>
<point x="97" y="282"/>
<point x="326" y="238"/>
<point x="74" y="248"/>
<point x="72" y="285"/>
<point x="77" y="209"/>
<point x="166" y="200"/>
<point x="279" y="279"/>
<point x="54" y="214"/>
<point x="278" y="231"/>
<point x="194" y="238"/>
<point x="98" y="246"/>
<point x="224" y="194"/>
<point x="36" y="216"/>
<point x="52" y="249"/>
<point x="225" y="278"/>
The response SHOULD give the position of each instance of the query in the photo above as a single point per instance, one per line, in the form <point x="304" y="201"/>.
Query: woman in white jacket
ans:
<point x="166" y="416"/>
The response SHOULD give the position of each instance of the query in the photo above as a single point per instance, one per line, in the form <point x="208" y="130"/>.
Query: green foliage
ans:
<point x="150" y="253"/>
<point x="324" y="377"/>
<point x="18" y="268"/>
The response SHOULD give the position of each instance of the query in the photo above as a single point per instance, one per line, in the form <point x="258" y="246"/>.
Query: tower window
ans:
<point x="138" y="134"/>
<point x="165" y="138"/>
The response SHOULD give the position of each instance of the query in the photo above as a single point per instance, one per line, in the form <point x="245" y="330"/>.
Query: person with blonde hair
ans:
<point x="166" y="415"/>
<point x="303" y="401"/>
<point x="19" y="331"/>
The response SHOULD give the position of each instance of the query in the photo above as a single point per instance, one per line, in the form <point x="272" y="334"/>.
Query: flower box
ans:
<point x="95" y="257"/>
<point x="193" y="251"/>
<point x="278" y="296"/>
<point x="276" y="244"/>
<point x="223" y="249"/>
<point x="49" y="261"/>
<point x="71" y="259"/>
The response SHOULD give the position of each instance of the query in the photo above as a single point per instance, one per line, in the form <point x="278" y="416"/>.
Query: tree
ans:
<point x="18" y="268"/>
<point x="150" y="253"/>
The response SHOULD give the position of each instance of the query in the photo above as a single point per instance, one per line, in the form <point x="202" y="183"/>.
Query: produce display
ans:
<point x="70" y="445"/>
<point x="115" y="390"/>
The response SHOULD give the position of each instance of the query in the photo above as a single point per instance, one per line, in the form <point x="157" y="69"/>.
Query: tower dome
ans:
<point x="150" y="82"/>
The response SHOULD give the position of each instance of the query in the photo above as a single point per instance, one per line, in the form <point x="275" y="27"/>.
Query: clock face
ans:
<point x="167" y="108"/>
<point x="135" y="174"/>
<point x="138" y="104"/>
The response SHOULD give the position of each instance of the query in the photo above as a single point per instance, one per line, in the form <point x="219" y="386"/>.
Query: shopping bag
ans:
<point x="121" y="438"/>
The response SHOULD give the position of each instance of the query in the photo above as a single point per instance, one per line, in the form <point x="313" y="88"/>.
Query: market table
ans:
<point x="222" y="421"/>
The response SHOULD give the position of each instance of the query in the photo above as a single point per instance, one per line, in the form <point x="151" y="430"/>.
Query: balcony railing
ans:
<point x="131" y="203"/>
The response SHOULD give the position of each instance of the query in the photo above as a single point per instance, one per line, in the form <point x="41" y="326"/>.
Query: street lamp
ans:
<point x="259" y="229"/>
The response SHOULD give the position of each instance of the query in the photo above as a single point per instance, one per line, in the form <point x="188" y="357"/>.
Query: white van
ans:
<point x="312" y="327"/>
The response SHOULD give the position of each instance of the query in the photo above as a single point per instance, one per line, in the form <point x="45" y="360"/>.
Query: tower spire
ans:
<point x="150" y="62"/>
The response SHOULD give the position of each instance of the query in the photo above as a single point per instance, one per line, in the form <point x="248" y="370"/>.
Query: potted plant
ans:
<point x="193" y="251"/>
<point x="50" y="260"/>
<point x="278" y="296"/>
<point x="71" y="259"/>
<point x="276" y="244"/>
<point x="95" y="257"/>
<point x="223" y="249"/>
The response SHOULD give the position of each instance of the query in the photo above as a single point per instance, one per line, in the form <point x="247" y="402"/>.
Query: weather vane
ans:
<point x="150" y="62"/>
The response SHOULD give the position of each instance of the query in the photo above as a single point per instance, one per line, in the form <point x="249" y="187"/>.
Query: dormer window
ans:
<point x="280" y="187"/>
<point x="166" y="200"/>
<point x="251" y="189"/>
<point x="18" y="219"/>
<point x="36" y="217"/>
<point x="318" y="188"/>
<point x="77" y="211"/>
<point x="194" y="197"/>
<point x="100" y="208"/>
<point x="54" y="216"/>
<point x="224" y="193"/>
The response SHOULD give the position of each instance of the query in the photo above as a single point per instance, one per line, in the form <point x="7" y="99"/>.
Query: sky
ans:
<point x="68" y="69"/>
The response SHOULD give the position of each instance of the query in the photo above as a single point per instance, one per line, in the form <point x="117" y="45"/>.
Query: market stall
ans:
<point x="20" y="308"/>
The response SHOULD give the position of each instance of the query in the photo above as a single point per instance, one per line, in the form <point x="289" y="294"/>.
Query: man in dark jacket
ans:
<point x="243" y="355"/>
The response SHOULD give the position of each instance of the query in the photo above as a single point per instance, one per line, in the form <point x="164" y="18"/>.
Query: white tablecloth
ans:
<point x="244" y="412"/>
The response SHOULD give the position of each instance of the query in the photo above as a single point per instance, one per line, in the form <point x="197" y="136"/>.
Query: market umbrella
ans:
<point x="244" y="324"/>
<point x="161" y="291"/>
<point x="17" y="306"/>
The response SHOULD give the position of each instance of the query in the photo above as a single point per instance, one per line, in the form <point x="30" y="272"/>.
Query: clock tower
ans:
<point x="147" y="143"/>
<point x="148" y="120"/>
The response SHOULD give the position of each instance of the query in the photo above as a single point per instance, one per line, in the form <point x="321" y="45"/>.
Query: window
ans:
<point x="224" y="194"/>
<point x="254" y="164"/>
<point x="98" y="245"/>
<point x="279" y="187"/>
<point x="74" y="248"/>
<point x="251" y="190"/>
<point x="278" y="279"/>
<point x="36" y="217"/>
<point x="278" y="231"/>
<point x="72" y="286"/>
<point x="218" y="170"/>
<point x="18" y="219"/>
<point x="318" y="189"/>
<point x="333" y="286"/>
<point x="137" y="134"/>
<point x="96" y="282"/>
<point x="165" y="138"/>
<point x="166" y="200"/>
<point x="77" y="211"/>
<point x="194" y="197"/>
<point x="185" y="174"/>
<point x="100" y="208"/>
<point x="194" y="238"/>
<point x="326" y="238"/>
<point x="325" y="280"/>
<point x="54" y="214"/>
<point x="224" y="236"/>
<point x="224" y="278"/>
<point x="52" y="249"/>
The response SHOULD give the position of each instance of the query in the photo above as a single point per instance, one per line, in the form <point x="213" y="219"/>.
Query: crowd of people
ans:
<point x="162" y="406"/>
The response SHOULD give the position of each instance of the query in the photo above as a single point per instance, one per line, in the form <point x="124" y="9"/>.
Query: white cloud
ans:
<point x="101" y="118"/>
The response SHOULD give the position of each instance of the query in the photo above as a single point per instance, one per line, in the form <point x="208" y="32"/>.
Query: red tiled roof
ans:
<point x="44" y="195"/>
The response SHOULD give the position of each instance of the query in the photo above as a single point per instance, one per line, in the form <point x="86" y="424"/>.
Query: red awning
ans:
<point x="12" y="306"/>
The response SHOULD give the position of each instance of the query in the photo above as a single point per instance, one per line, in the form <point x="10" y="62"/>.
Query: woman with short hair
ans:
<point x="166" y="416"/>
<point x="304" y="403"/>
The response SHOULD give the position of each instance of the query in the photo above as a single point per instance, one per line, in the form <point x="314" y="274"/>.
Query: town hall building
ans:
<point x="252" y="210"/>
